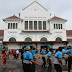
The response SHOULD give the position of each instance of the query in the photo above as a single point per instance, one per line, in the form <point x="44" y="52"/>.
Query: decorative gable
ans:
<point x="13" y="17"/>
<point x="35" y="10"/>
<point x="35" y="2"/>
<point x="56" y="18"/>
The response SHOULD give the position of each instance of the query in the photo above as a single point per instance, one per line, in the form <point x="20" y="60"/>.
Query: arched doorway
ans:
<point x="43" y="39"/>
<point x="28" y="39"/>
<point x="58" y="39"/>
<point x="12" y="39"/>
<point x="43" y="45"/>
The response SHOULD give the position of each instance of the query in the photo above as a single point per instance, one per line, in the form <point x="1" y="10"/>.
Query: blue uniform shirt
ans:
<point x="43" y="52"/>
<point x="27" y="55"/>
<point x="64" y="51"/>
<point x="33" y="53"/>
<point x="58" y="54"/>
<point x="69" y="51"/>
<point x="49" y="54"/>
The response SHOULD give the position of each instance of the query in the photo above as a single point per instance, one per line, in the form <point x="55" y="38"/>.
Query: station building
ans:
<point x="34" y="26"/>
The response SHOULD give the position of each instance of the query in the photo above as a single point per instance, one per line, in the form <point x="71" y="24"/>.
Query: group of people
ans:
<point x="29" y="59"/>
<point x="9" y="54"/>
<point x="28" y="56"/>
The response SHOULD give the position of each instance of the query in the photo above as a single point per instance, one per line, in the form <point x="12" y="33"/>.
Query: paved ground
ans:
<point x="15" y="65"/>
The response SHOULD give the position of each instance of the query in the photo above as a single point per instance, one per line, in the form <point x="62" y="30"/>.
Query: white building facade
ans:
<point x="34" y="26"/>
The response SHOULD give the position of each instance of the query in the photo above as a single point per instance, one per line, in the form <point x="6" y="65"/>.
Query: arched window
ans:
<point x="43" y="39"/>
<point x="58" y="39"/>
<point x="12" y="39"/>
<point x="28" y="39"/>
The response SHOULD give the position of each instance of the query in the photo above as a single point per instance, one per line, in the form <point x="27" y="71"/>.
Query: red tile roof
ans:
<point x="13" y="17"/>
<point x="69" y="32"/>
<point x="1" y="32"/>
<point x="57" y="18"/>
<point x="69" y="40"/>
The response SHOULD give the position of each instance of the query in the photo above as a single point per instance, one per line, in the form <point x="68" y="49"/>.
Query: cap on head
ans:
<point x="27" y="48"/>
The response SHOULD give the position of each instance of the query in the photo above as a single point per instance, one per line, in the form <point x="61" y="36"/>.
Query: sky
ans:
<point x="59" y="8"/>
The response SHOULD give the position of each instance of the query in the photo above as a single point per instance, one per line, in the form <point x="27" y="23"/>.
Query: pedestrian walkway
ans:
<point x="15" y="65"/>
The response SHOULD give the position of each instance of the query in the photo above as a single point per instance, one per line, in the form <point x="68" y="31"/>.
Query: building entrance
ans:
<point x="42" y="47"/>
<point x="47" y="46"/>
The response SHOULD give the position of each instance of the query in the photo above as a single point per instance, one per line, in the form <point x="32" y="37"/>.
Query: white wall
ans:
<point x="13" y="46"/>
<point x="57" y="45"/>
<point x="34" y="12"/>
<point x="58" y="32"/>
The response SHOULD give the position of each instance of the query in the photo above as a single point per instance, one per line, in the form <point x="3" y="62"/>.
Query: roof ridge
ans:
<point x="13" y="17"/>
<point x="37" y="3"/>
<point x="57" y="17"/>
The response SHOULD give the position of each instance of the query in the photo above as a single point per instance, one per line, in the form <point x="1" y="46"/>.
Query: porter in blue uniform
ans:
<point x="43" y="52"/>
<point x="58" y="61"/>
<point x="69" y="59"/>
<point x="33" y="54"/>
<point x="64" y="51"/>
<point x="34" y="51"/>
<point x="28" y="60"/>
<point x="49" y="55"/>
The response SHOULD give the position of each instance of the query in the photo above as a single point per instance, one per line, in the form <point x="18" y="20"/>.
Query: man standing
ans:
<point x="58" y="61"/>
<point x="17" y="52"/>
<point x="43" y="52"/>
<point x="28" y="60"/>
<point x="22" y="51"/>
<point x="33" y="54"/>
<point x="49" y="55"/>
<point x="69" y="59"/>
<point x="65" y="56"/>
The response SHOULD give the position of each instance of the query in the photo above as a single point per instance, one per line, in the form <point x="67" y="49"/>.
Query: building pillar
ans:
<point x="36" y="45"/>
<point x="20" y="45"/>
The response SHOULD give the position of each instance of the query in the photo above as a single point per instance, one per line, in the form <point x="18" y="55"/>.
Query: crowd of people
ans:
<point x="28" y="56"/>
<point x="9" y="55"/>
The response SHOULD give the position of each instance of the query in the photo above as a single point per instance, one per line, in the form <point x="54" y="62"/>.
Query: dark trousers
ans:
<point x="17" y="56"/>
<point x="22" y="58"/>
<point x="22" y="61"/>
<point x="44" y="61"/>
<point x="66" y="60"/>
<point x="33" y="66"/>
<point x="50" y="66"/>
<point x="58" y="68"/>
<point x="14" y="56"/>
<point x="69" y="63"/>
<point x="27" y="67"/>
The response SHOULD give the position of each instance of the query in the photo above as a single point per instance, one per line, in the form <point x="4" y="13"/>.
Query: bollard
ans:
<point x="9" y="71"/>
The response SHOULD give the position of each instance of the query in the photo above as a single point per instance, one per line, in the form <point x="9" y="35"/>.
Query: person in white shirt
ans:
<point x="17" y="52"/>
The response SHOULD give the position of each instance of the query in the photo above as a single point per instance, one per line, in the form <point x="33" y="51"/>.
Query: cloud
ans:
<point x="61" y="8"/>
